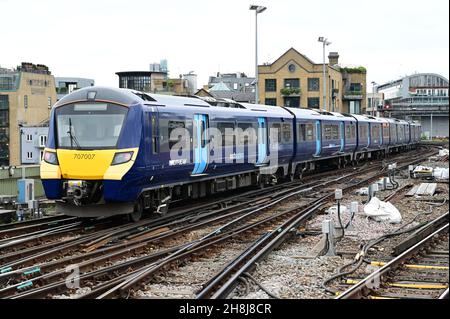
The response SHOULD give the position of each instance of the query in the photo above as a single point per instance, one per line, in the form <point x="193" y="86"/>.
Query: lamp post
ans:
<point x="258" y="10"/>
<point x="325" y="42"/>
<point x="374" y="84"/>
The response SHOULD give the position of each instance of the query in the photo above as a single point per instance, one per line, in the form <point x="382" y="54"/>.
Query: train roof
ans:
<point x="314" y="114"/>
<point x="129" y="97"/>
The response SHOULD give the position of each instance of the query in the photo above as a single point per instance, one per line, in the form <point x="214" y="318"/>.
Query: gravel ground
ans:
<point x="293" y="271"/>
<point x="289" y="273"/>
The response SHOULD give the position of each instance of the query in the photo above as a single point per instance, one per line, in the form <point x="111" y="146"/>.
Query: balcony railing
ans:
<point x="287" y="91"/>
<point x="353" y="95"/>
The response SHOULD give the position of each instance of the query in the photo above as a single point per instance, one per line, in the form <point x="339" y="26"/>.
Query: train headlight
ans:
<point x="51" y="157"/>
<point x="122" y="158"/>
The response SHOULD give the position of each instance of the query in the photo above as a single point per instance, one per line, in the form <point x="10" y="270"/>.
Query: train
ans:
<point x="117" y="151"/>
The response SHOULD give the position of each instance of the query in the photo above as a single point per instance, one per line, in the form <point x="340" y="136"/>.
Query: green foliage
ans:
<point x="170" y="83"/>
<point x="290" y="91"/>
<point x="357" y="70"/>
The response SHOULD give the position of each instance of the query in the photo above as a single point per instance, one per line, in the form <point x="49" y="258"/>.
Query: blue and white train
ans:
<point x="109" y="150"/>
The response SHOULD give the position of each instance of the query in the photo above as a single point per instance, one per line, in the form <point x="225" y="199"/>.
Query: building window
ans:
<point x="271" y="102"/>
<point x="271" y="85"/>
<point x="292" y="68"/>
<point x="292" y="83"/>
<point x="25" y="101"/>
<point x="355" y="107"/>
<point x="355" y="87"/>
<point x="314" y="102"/>
<point x="29" y="155"/>
<point x="29" y="137"/>
<point x="42" y="140"/>
<point x="313" y="84"/>
<point x="49" y="102"/>
<point x="292" y="102"/>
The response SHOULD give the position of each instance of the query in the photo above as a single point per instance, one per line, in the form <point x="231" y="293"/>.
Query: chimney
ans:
<point x="333" y="58"/>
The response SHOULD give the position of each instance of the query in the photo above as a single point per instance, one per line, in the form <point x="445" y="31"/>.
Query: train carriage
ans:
<point x="117" y="151"/>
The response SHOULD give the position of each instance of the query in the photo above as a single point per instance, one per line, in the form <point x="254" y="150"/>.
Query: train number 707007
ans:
<point x="83" y="156"/>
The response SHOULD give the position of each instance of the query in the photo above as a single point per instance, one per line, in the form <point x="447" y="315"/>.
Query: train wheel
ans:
<point x="136" y="215"/>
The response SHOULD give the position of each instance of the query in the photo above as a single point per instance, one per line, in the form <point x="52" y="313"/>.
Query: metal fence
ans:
<point x="10" y="176"/>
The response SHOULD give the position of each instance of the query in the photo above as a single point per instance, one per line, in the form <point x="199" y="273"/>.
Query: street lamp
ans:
<point x="257" y="9"/>
<point x="374" y="84"/>
<point x="325" y="43"/>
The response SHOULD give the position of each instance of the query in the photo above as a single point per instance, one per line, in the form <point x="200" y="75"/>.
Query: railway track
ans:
<point x="420" y="272"/>
<point x="114" y="260"/>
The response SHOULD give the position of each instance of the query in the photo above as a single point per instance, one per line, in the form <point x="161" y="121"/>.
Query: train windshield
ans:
<point x="89" y="126"/>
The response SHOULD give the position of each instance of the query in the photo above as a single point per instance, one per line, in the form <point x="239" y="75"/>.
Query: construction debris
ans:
<point x="423" y="172"/>
<point x="424" y="189"/>
<point x="440" y="173"/>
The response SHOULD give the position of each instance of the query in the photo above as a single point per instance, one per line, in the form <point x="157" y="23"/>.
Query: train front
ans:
<point x="92" y="146"/>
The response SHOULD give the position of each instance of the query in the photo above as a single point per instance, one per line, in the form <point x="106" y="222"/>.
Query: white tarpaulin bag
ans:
<point x="441" y="173"/>
<point x="382" y="211"/>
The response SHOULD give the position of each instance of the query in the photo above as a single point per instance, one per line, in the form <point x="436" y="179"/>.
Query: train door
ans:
<point x="318" y="138"/>
<point x="262" y="141"/>
<point x="201" y="145"/>
<point x="342" y="135"/>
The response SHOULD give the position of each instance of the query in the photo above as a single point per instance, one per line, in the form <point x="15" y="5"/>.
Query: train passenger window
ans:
<point x="275" y="132"/>
<point x="348" y="130"/>
<point x="175" y="136"/>
<point x="155" y="138"/>
<point x="227" y="131"/>
<point x="363" y="131"/>
<point x="375" y="131"/>
<point x="335" y="132"/>
<point x="327" y="132"/>
<point x="353" y="131"/>
<point x="248" y="134"/>
<point x="287" y="136"/>
<point x="310" y="136"/>
<point x="301" y="132"/>
<point x="386" y="131"/>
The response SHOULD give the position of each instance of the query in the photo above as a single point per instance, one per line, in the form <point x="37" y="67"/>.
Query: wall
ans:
<point x="8" y="184"/>
<point x="33" y="145"/>
<point x="37" y="111"/>
<point x="440" y="125"/>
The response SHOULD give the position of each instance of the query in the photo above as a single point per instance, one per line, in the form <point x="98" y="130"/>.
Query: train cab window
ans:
<point x="275" y="132"/>
<point x="287" y="133"/>
<point x="227" y="131"/>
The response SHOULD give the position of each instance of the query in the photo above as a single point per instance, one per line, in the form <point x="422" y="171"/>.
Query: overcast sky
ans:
<point x="95" y="39"/>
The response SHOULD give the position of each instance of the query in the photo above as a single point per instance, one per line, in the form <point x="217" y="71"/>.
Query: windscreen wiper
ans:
<point x="73" y="138"/>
